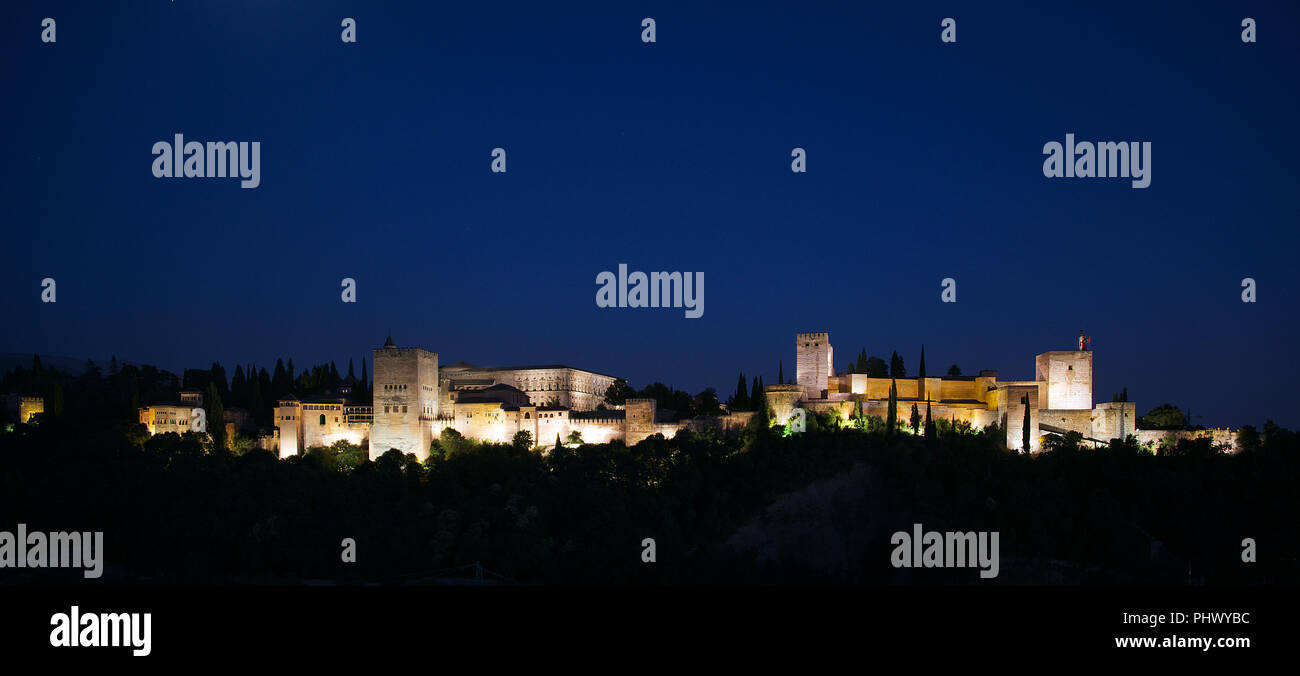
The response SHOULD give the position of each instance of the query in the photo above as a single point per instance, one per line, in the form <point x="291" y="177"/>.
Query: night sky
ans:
<point x="924" y="162"/>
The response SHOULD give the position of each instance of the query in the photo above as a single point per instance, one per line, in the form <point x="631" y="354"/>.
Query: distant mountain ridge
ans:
<point x="72" y="365"/>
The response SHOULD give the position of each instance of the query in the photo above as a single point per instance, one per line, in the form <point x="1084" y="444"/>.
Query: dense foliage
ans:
<point x="173" y="509"/>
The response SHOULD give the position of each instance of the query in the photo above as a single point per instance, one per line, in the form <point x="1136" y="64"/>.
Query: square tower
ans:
<point x="406" y="400"/>
<point x="813" y="357"/>
<point x="1067" y="379"/>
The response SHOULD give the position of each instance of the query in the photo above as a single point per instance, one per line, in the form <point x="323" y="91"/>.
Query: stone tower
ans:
<point x="1065" y="379"/>
<point x="406" y="400"/>
<point x="813" y="357"/>
<point x="782" y="399"/>
<point x="639" y="421"/>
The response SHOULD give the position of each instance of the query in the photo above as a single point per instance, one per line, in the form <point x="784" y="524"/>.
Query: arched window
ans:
<point x="322" y="418"/>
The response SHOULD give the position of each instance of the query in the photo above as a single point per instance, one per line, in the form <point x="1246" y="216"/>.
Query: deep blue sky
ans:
<point x="924" y="162"/>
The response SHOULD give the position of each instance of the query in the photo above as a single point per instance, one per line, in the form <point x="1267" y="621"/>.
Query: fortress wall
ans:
<point x="598" y="432"/>
<point x="312" y="433"/>
<point x="782" y="400"/>
<point x="1015" y="412"/>
<point x="956" y="389"/>
<point x="930" y="388"/>
<point x="843" y="409"/>
<point x="669" y="430"/>
<point x="981" y="418"/>
<point x="1068" y="419"/>
<point x="1106" y="420"/>
<point x="1217" y="437"/>
<point x="550" y="424"/>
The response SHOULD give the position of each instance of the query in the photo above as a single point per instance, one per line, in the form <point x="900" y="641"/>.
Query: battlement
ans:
<point x="384" y="352"/>
<point x="816" y="335"/>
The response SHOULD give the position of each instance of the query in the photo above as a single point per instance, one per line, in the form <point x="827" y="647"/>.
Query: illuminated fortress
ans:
<point x="415" y="400"/>
<point x="1059" y="397"/>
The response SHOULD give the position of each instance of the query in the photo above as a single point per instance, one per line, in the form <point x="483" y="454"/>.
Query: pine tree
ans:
<point x="896" y="367"/>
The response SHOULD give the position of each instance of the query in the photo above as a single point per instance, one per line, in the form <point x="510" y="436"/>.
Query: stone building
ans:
<point x="304" y="424"/>
<point x="1059" y="398"/>
<point x="167" y="417"/>
<point x="554" y="384"/>
<point x="21" y="408"/>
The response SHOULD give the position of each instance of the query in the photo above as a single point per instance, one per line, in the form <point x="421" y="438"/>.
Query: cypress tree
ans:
<point x="929" y="424"/>
<point x="754" y="394"/>
<point x="891" y="419"/>
<point x="780" y="372"/>
<point x="1024" y="433"/>
<point x="280" y="384"/>
<point x="215" y="413"/>
<point x="922" y="367"/>
<point x="862" y="361"/>
<point x="238" y="385"/>
<point x="915" y="420"/>
<point x="740" y="400"/>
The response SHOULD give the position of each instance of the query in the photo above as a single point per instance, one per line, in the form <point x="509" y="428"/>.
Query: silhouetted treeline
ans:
<point x="111" y="396"/>
<point x="174" y="510"/>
